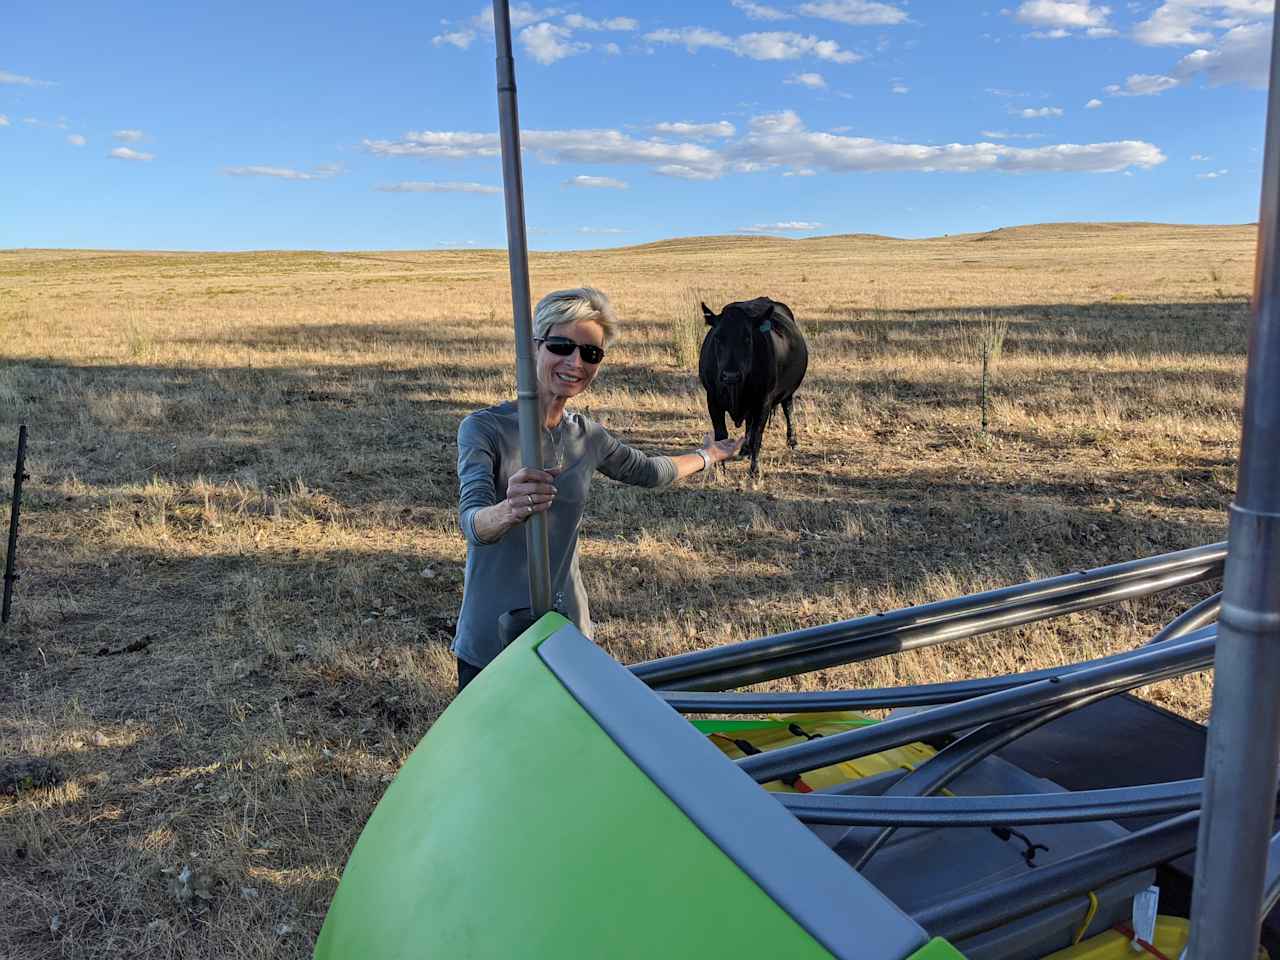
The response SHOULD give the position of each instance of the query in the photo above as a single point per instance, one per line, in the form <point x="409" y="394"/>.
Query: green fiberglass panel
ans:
<point x="518" y="828"/>
<point x="937" y="949"/>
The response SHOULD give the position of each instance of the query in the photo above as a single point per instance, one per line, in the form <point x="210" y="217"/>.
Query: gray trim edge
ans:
<point x="841" y="910"/>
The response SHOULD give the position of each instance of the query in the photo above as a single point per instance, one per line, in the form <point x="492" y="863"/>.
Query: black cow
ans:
<point x="753" y="359"/>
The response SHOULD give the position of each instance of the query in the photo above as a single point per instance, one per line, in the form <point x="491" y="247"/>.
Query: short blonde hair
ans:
<point x="581" y="303"/>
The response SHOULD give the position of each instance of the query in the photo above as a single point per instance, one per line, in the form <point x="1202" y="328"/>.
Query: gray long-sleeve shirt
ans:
<point x="497" y="575"/>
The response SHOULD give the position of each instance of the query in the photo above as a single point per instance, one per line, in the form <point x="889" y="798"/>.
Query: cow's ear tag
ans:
<point x="766" y="327"/>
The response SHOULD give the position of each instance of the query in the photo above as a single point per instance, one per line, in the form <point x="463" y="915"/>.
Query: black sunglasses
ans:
<point x="563" y="346"/>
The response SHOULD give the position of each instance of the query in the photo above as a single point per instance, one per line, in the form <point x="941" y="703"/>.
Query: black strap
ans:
<point x="1029" y="854"/>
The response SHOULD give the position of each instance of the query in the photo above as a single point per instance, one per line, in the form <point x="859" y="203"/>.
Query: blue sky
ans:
<point x="373" y="126"/>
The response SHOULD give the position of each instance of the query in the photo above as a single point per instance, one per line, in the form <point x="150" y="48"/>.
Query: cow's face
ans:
<point x="731" y="342"/>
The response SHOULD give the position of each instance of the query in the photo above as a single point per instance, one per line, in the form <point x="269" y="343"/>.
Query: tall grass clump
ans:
<point x="982" y="339"/>
<point x="686" y="327"/>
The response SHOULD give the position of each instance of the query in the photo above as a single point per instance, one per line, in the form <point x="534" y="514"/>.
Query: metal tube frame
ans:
<point x="892" y="811"/>
<point x="530" y="417"/>
<point x="958" y="629"/>
<point x="1201" y="615"/>
<point x="810" y="649"/>
<point x="972" y="913"/>
<point x="1244" y="725"/>
<point x="953" y="760"/>
<point x="1139" y="668"/>
<point x="822" y="701"/>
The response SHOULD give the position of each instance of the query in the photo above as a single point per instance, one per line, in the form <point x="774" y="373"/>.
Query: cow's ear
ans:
<point x="708" y="316"/>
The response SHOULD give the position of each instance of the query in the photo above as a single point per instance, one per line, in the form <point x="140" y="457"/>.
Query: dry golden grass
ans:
<point x="244" y="465"/>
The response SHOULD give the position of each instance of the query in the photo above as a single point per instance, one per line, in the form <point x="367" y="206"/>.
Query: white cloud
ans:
<point x="698" y="131"/>
<point x="1191" y="22"/>
<point x="427" y="186"/>
<point x="786" y="226"/>
<point x="18" y="80"/>
<point x="1201" y="156"/>
<point x="601" y="230"/>
<point x="1005" y="135"/>
<point x="76" y="140"/>
<point x="1093" y="104"/>
<point x="612" y="49"/>
<point x="282" y="173"/>
<point x="130" y="136"/>
<point x="813" y="81"/>
<point x="522" y="14"/>
<point x="1036" y="113"/>
<point x="692" y="38"/>
<point x="59" y="124"/>
<point x="548" y="43"/>
<point x="759" y="11"/>
<point x="779" y="142"/>
<point x="687" y="161"/>
<point x="683" y="171"/>
<point x="1142" y="85"/>
<point x="899" y="87"/>
<point x="4" y="121"/>
<point x="1056" y="19"/>
<point x="578" y="22"/>
<point x="1214" y="175"/>
<point x="858" y="13"/>
<point x="124" y="153"/>
<point x="1241" y="56"/>
<point x="440" y="145"/>
<point x="756" y="46"/>
<point x="598" y="183"/>
<point x="458" y="38"/>
<point x="781" y="139"/>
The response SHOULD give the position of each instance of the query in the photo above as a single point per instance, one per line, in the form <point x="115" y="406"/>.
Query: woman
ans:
<point x="571" y="330"/>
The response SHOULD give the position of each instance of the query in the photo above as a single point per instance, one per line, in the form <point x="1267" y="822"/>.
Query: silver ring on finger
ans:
<point x="530" y="496"/>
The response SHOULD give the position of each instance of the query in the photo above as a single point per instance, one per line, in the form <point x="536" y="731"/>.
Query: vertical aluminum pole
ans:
<point x="518" y="256"/>
<point x="1244" y="727"/>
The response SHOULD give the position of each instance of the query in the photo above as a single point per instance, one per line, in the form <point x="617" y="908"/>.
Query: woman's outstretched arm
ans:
<point x="624" y="463"/>
<point x="711" y="452"/>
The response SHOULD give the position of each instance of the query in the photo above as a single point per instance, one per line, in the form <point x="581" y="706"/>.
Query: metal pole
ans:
<point x="674" y="672"/>
<point x="916" y="695"/>
<point x="1012" y="614"/>
<point x="1244" y="726"/>
<point x="1014" y="810"/>
<point x="518" y="256"/>
<point x="1201" y="615"/>
<point x="19" y="474"/>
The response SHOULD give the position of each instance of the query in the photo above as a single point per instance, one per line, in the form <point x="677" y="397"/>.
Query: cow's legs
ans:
<point x="755" y="436"/>
<point x="791" y="430"/>
<point x="717" y="419"/>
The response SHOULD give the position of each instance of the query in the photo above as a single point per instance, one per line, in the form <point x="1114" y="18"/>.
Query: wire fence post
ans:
<point x="19" y="474"/>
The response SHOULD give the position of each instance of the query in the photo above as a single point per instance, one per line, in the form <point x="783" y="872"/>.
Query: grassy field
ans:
<point x="240" y="559"/>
